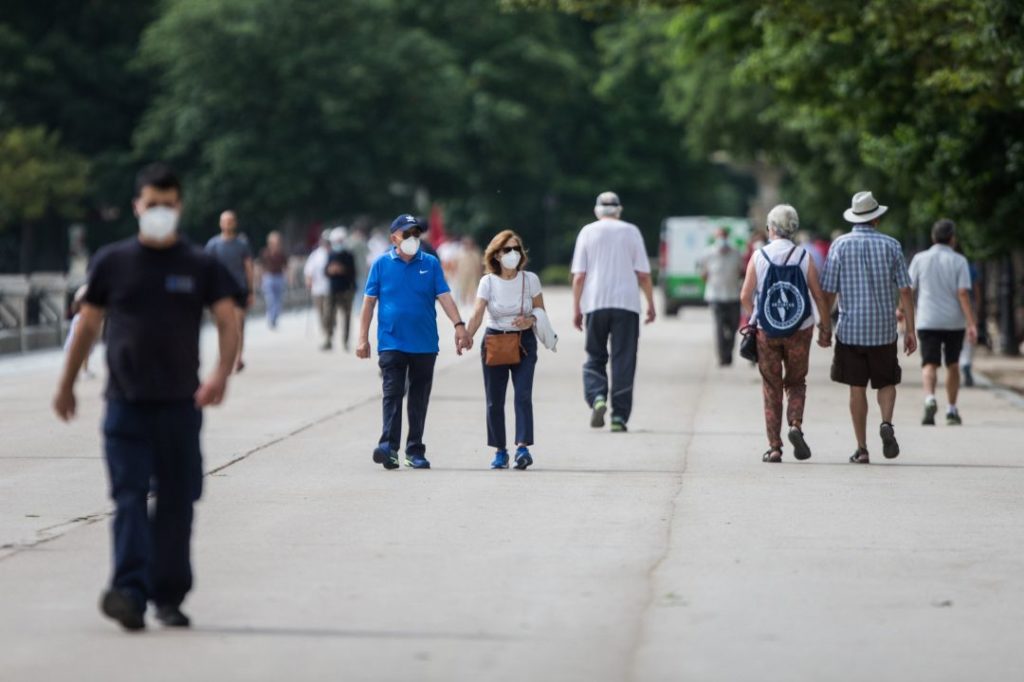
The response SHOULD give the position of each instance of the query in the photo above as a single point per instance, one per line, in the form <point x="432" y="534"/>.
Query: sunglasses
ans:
<point x="411" y="233"/>
<point x="509" y="249"/>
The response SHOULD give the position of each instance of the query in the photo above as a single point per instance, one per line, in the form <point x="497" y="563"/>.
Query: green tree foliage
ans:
<point x="923" y="100"/>
<point x="38" y="177"/>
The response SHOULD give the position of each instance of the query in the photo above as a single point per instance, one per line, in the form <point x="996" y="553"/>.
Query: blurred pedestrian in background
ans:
<point x="511" y="297"/>
<point x="319" y="285"/>
<point x="941" y="279"/>
<point x="341" y="271"/>
<point x="273" y="263"/>
<point x="610" y="267"/>
<point x="784" y="299"/>
<point x="722" y="272"/>
<point x="408" y="283"/>
<point x="863" y="268"/>
<point x="231" y="248"/>
<point x="468" y="270"/>
<point x="152" y="290"/>
<point x="967" y="354"/>
<point x="360" y="251"/>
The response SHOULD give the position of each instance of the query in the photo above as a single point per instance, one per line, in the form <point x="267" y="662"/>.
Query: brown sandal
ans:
<point x="773" y="455"/>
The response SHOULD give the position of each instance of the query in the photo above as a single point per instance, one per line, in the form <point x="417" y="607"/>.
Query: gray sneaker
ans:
<point x="597" y="415"/>
<point x="930" y="408"/>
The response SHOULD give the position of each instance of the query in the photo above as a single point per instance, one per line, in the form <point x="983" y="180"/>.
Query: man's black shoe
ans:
<point x="172" y="617"/>
<point x="122" y="607"/>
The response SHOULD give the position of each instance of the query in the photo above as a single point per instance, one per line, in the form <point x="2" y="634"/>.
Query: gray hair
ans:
<point x="608" y="204"/>
<point x="783" y="220"/>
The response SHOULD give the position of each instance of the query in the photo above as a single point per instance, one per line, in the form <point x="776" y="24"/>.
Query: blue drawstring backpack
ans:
<point x="784" y="302"/>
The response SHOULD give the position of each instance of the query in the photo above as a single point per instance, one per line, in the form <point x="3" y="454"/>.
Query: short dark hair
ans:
<point x="158" y="175"/>
<point x="943" y="231"/>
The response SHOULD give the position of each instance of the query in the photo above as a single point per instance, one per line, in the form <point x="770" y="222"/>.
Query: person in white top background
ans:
<point x="610" y="267"/>
<point x="941" y="279"/>
<point x="511" y="299"/>
<point x="722" y="270"/>
<point x="785" y="326"/>
<point x="319" y="285"/>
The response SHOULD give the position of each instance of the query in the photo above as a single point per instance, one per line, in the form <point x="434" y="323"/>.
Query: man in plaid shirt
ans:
<point x="864" y="269"/>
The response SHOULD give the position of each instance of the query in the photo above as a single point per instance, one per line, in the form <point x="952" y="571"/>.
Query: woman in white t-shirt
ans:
<point x="791" y="352"/>
<point x="508" y="295"/>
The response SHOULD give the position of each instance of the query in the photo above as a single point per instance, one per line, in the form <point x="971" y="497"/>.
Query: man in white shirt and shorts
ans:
<point x="610" y="267"/>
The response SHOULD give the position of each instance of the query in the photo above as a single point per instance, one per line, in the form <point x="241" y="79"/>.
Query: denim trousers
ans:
<point x="273" y="294"/>
<point x="496" y="385"/>
<point x="622" y="329"/>
<point x="399" y="370"/>
<point x="153" y="447"/>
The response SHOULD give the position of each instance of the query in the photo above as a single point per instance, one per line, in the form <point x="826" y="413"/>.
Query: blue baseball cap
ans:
<point x="404" y="222"/>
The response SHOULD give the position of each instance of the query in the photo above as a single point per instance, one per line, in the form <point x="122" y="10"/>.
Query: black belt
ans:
<point x="500" y="331"/>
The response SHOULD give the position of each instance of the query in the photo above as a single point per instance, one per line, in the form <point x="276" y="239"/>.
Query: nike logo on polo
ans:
<point x="423" y="272"/>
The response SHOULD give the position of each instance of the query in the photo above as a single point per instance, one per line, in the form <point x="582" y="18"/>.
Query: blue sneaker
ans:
<point x="417" y="462"/>
<point x="500" y="460"/>
<point x="385" y="456"/>
<point x="523" y="458"/>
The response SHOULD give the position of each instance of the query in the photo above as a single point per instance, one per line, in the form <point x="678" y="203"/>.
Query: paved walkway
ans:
<point x="669" y="553"/>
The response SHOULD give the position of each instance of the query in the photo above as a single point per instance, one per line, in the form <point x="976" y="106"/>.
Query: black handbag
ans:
<point x="748" y="344"/>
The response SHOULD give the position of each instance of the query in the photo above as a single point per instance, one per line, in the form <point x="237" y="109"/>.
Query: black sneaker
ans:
<point x="121" y="606"/>
<point x="860" y="457"/>
<point x="800" y="448"/>
<point x="890" y="448"/>
<point x="172" y="617"/>
<point x="389" y="458"/>
<point x="930" y="408"/>
<point x="953" y="418"/>
<point x="598" y="409"/>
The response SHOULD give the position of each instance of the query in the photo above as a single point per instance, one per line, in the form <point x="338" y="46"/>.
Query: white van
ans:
<point x="684" y="242"/>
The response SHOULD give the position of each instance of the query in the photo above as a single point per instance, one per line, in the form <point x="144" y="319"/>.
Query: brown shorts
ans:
<point x="856" y="365"/>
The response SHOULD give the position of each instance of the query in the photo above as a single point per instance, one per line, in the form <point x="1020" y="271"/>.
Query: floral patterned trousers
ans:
<point x="791" y="353"/>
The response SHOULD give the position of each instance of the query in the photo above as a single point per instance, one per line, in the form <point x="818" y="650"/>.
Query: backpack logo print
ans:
<point x="785" y="305"/>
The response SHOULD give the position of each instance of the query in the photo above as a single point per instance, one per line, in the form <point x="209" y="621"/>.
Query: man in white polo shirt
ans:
<point x="942" y="279"/>
<point x="610" y="268"/>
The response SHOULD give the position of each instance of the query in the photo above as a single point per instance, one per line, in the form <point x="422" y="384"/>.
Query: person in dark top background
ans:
<point x="341" y="270"/>
<point x="152" y="290"/>
<point x="231" y="248"/>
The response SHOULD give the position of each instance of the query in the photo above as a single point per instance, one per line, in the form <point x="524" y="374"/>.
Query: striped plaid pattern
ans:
<point x="865" y="268"/>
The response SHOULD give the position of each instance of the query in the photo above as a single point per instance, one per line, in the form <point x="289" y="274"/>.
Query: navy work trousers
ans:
<point x="398" y="370"/>
<point x="622" y="328"/>
<point x="153" y="447"/>
<point x="496" y="386"/>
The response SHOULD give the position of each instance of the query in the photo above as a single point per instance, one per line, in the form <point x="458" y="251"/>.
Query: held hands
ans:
<point x="363" y="349"/>
<point x="463" y="341"/>
<point x="824" y="336"/>
<point x="212" y="391"/>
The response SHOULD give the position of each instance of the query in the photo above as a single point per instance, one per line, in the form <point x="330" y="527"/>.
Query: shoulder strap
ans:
<point x="522" y="300"/>
<point x="785" y="262"/>
<point x="802" y="256"/>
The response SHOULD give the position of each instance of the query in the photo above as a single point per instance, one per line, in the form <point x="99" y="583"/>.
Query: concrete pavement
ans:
<point x="668" y="553"/>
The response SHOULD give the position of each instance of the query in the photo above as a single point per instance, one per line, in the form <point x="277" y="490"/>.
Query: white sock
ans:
<point x="951" y="409"/>
<point x="929" y="400"/>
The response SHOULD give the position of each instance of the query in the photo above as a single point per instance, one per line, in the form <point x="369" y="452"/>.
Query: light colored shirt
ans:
<point x="865" y="267"/>
<point x="316" y="270"/>
<point x="777" y="250"/>
<point x="722" y="266"/>
<point x="507" y="299"/>
<point x="610" y="252"/>
<point x="937" y="276"/>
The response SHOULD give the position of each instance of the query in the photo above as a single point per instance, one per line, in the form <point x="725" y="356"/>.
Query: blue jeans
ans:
<point x="398" y="370"/>
<point x="153" y="446"/>
<point x="273" y="294"/>
<point x="623" y="329"/>
<point x="496" y="385"/>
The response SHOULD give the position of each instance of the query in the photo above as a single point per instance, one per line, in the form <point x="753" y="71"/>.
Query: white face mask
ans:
<point x="410" y="246"/>
<point x="158" y="223"/>
<point x="510" y="260"/>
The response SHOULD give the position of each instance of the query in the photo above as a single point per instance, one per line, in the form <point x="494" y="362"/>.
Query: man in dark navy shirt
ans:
<point x="152" y="290"/>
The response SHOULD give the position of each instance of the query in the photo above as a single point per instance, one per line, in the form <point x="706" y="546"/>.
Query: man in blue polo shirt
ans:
<point x="406" y="281"/>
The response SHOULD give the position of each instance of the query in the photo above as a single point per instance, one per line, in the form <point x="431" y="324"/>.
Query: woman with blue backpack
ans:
<point x="782" y="295"/>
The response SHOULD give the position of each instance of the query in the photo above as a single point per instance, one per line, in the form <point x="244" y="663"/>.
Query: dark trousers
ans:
<point x="338" y="301"/>
<point x="398" y="369"/>
<point x="496" y="385"/>
<point x="153" y="446"/>
<point x="727" y="322"/>
<point x="623" y="329"/>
